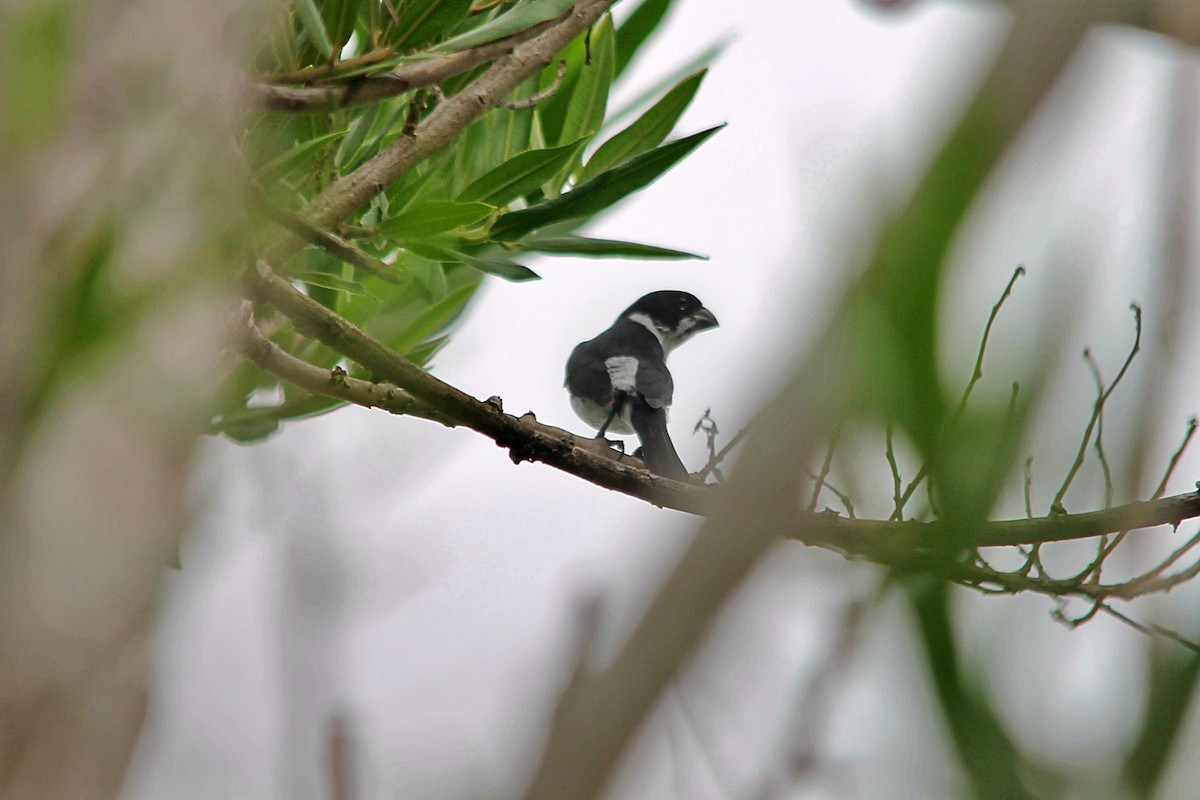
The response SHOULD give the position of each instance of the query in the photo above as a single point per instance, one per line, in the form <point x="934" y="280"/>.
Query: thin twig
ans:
<point x="825" y="467"/>
<point x="716" y="460"/>
<point x="898" y="499"/>
<point x="977" y="373"/>
<point x="334" y="245"/>
<point x="1187" y="437"/>
<point x="1151" y="629"/>
<point x="1057" y="505"/>
<point x="1099" y="445"/>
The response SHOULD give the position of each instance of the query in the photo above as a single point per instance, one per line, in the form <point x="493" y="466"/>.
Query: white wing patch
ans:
<point x="622" y="372"/>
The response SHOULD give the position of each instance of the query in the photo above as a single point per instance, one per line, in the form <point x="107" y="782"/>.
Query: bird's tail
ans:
<point x="658" y="451"/>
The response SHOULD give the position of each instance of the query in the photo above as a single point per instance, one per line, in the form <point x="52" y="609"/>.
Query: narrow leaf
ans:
<point x="434" y="217"/>
<point x="356" y="134"/>
<point x="487" y="261"/>
<point x="310" y="18"/>
<point x="601" y="191"/>
<point x="433" y="319"/>
<point x="697" y="62"/>
<point x="327" y="281"/>
<point x="601" y="248"/>
<point x="589" y="96"/>
<point x="648" y="131"/>
<point x="519" y="175"/>
<point x="422" y="21"/>
<point x="283" y="163"/>
<point x="637" y="28"/>
<point x="522" y="16"/>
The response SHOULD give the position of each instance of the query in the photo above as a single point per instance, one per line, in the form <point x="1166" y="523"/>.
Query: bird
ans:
<point x="619" y="380"/>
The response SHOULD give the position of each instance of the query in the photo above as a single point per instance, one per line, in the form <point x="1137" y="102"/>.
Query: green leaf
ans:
<point x="491" y="260"/>
<point x="589" y="95"/>
<point x="637" y="28"/>
<point x="601" y="191"/>
<point x="522" y="16"/>
<point x="433" y="319"/>
<point x="283" y="163"/>
<point x="422" y="21"/>
<point x="601" y="248"/>
<point x="697" y="62"/>
<point x="355" y="135"/>
<point x="328" y="281"/>
<point x="519" y="175"/>
<point x="648" y="131"/>
<point x="310" y="18"/>
<point x="422" y="353"/>
<point x="434" y="217"/>
<point x="339" y="16"/>
<point x="429" y="275"/>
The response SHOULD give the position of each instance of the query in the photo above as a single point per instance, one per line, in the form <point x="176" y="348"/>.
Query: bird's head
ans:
<point x="672" y="316"/>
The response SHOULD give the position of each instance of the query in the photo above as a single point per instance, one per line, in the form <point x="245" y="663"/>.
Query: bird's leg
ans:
<point x="616" y="408"/>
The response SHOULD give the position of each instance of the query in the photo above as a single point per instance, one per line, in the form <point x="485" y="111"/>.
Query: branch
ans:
<point x="266" y="91"/>
<point x="525" y="438"/>
<point x="529" y="440"/>
<point x="258" y="349"/>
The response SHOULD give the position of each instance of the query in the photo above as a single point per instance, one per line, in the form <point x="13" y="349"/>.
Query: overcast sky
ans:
<point x="411" y="575"/>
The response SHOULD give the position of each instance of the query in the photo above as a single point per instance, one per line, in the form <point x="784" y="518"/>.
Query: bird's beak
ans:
<point x="704" y="319"/>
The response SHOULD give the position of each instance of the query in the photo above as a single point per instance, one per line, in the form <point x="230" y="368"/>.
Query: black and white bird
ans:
<point x="619" y="381"/>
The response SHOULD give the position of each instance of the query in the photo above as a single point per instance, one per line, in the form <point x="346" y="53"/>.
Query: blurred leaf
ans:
<point x="519" y="175"/>
<point x="430" y="277"/>
<point x="339" y="17"/>
<point x="434" y="217"/>
<point x="1170" y="685"/>
<point x="601" y="191"/>
<point x="310" y="18"/>
<point x="328" y="281"/>
<point x="33" y="72"/>
<point x="282" y="164"/>
<point x="422" y="353"/>
<point x="699" y="61"/>
<point x="600" y="248"/>
<point x="422" y="21"/>
<point x="355" y="135"/>
<point x="648" y="131"/>
<point x="522" y="16"/>
<point x="433" y="319"/>
<point x="637" y="28"/>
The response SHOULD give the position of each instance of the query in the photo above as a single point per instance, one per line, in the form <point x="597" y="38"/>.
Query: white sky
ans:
<point x="411" y="574"/>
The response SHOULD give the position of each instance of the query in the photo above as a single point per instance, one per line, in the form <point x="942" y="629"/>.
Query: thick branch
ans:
<point x="525" y="438"/>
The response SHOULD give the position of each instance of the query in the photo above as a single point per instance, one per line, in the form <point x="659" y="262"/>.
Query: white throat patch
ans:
<point x="669" y="339"/>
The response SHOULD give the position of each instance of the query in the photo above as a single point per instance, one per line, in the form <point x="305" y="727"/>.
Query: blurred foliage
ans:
<point x="522" y="180"/>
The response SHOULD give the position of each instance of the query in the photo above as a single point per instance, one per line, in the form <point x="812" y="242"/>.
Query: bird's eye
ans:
<point x="683" y="305"/>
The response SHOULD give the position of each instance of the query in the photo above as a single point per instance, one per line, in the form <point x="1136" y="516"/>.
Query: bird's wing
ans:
<point x="587" y="375"/>
<point x="654" y="382"/>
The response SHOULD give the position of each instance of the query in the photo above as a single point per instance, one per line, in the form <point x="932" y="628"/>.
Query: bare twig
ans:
<point x="1187" y="437"/>
<point x="715" y="461"/>
<point x="898" y="498"/>
<point x="1057" y="505"/>
<point x="825" y="467"/>
<point x="1151" y="629"/>
<point x="1108" y="484"/>
<point x="977" y="373"/>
